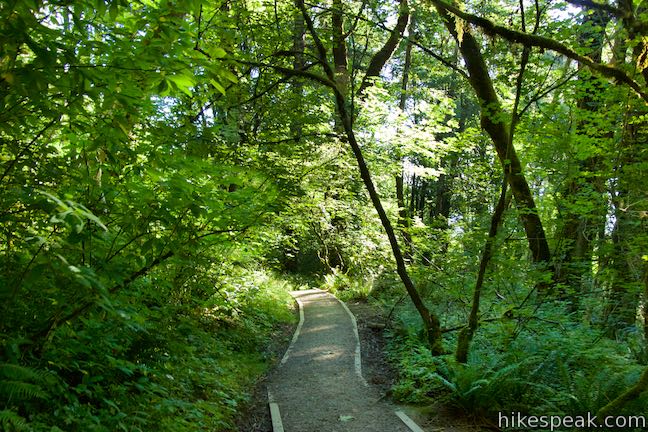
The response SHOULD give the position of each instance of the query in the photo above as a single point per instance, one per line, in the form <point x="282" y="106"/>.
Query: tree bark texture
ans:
<point x="493" y="122"/>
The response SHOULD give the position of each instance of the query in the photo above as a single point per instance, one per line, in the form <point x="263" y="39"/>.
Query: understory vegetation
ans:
<point x="547" y="366"/>
<point x="544" y="365"/>
<point x="147" y="363"/>
<point x="170" y="170"/>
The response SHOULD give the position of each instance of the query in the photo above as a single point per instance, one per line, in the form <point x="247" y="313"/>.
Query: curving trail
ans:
<point x="318" y="386"/>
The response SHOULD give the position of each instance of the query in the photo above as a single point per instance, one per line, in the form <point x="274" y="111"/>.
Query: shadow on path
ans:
<point x="319" y="387"/>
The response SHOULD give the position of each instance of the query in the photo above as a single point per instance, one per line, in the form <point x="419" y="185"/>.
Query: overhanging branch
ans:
<point x="381" y="57"/>
<point x="531" y="40"/>
<point x="291" y="72"/>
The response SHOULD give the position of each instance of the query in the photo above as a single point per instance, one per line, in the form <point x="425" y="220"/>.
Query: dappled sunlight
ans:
<point x="323" y="354"/>
<point x="320" y="328"/>
<point x="311" y="293"/>
<point x="328" y="356"/>
<point x="176" y="178"/>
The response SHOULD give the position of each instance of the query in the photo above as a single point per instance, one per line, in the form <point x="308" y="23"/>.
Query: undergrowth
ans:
<point x="547" y="366"/>
<point x="347" y="287"/>
<point x="181" y="365"/>
<point x="546" y="375"/>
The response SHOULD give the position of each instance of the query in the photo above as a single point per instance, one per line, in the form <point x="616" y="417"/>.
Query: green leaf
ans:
<point x="217" y="86"/>
<point x="228" y="75"/>
<point x="183" y="82"/>
<point x="216" y="52"/>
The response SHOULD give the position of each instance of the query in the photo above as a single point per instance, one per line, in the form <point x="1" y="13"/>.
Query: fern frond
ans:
<point x="444" y="381"/>
<point x="9" y="420"/>
<point x="18" y="390"/>
<point x="19" y="373"/>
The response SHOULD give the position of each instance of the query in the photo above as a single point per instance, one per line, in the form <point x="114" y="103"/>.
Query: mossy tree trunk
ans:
<point x="493" y="122"/>
<point x="615" y="406"/>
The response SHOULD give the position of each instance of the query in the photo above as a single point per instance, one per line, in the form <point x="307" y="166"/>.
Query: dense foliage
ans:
<point x="478" y="169"/>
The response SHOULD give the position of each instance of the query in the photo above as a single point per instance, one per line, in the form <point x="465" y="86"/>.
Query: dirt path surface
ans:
<point x="318" y="386"/>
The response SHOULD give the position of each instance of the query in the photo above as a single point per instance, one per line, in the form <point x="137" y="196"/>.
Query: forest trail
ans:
<point x="319" y="385"/>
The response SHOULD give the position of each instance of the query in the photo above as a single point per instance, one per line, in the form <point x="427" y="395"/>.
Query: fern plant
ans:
<point x="20" y="383"/>
<point x="11" y="421"/>
<point x="482" y="390"/>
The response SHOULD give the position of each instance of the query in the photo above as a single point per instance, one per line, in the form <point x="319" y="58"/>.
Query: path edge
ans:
<point x="284" y="359"/>
<point x="358" y="351"/>
<point x="411" y="424"/>
<point x="408" y="421"/>
<point x="275" y="414"/>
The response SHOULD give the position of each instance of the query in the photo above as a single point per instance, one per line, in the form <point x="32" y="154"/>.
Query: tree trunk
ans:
<point x="414" y="193"/>
<point x="422" y="197"/>
<point x="404" y="219"/>
<point x="624" y="263"/>
<point x="441" y="208"/>
<point x="439" y="212"/>
<point x="431" y="322"/>
<point x="580" y="228"/>
<point x="299" y="44"/>
<point x="466" y="334"/>
<point x="380" y="58"/>
<point x="624" y="293"/>
<point x="339" y="47"/>
<point x="631" y="394"/>
<point x="492" y="121"/>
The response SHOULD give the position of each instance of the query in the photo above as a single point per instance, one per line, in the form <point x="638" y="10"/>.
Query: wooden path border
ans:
<point x="275" y="413"/>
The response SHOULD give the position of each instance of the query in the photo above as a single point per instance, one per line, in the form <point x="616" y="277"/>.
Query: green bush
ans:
<point x="346" y="287"/>
<point x="567" y="372"/>
<point x="152" y="364"/>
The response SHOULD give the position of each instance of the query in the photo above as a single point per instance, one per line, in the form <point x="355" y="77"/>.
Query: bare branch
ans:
<point x="436" y="56"/>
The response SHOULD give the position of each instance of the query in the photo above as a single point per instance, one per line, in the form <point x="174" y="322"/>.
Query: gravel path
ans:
<point x="318" y="386"/>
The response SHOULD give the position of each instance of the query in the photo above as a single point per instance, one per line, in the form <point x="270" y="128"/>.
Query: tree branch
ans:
<point x="526" y="39"/>
<point x="56" y="321"/>
<point x="590" y="4"/>
<point x="321" y="50"/>
<point x="410" y="38"/>
<point x="292" y="72"/>
<point x="27" y="147"/>
<point x="437" y="57"/>
<point x="357" y="19"/>
<point x="381" y="57"/>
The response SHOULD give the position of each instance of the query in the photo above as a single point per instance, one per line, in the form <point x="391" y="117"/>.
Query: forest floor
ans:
<point x="319" y="385"/>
